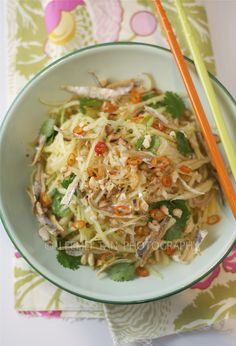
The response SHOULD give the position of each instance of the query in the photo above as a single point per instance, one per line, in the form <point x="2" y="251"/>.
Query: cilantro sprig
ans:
<point x="154" y="145"/>
<point x="183" y="144"/>
<point x="121" y="272"/>
<point x="68" y="261"/>
<point x="57" y="208"/>
<point x="174" y="104"/>
<point x="68" y="181"/>
<point x="174" y="232"/>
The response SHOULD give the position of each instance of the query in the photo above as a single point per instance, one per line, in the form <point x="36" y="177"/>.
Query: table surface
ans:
<point x="23" y="330"/>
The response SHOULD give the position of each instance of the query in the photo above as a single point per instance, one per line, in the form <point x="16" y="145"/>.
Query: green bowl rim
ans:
<point x="40" y="73"/>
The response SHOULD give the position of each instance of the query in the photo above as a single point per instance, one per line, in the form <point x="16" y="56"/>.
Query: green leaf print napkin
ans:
<point x="41" y="31"/>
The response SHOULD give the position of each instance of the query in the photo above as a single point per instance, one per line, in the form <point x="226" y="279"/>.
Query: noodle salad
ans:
<point x="121" y="179"/>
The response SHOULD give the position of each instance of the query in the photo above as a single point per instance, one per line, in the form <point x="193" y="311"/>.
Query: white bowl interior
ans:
<point x="20" y="129"/>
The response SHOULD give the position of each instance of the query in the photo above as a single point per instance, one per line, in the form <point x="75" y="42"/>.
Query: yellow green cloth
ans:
<point x="41" y="31"/>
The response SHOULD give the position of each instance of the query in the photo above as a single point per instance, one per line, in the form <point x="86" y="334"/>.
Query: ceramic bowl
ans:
<point x="20" y="128"/>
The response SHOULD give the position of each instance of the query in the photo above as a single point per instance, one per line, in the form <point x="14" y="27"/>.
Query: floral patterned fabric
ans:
<point x="40" y="31"/>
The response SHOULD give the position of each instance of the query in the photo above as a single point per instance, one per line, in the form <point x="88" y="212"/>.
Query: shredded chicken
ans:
<point x="99" y="93"/>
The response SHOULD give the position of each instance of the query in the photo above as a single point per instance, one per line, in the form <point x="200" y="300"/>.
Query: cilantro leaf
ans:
<point x="86" y="102"/>
<point x="174" y="232"/>
<point x="183" y="144"/>
<point x="57" y="208"/>
<point x="68" y="181"/>
<point x="174" y="104"/>
<point x="121" y="272"/>
<point x="68" y="261"/>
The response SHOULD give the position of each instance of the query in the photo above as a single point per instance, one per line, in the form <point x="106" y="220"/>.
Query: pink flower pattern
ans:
<point x="17" y="254"/>
<point x="205" y="283"/>
<point x="106" y="18"/>
<point x="228" y="264"/>
<point x="54" y="9"/>
<point x="143" y="23"/>
<point x="53" y="313"/>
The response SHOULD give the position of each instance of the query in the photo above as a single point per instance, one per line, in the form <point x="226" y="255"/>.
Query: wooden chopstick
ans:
<point x="197" y="106"/>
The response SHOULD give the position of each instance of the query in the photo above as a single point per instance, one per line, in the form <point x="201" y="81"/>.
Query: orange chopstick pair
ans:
<point x="197" y="106"/>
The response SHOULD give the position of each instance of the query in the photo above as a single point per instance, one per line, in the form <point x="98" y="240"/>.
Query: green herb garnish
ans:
<point x="47" y="129"/>
<point x="174" y="104"/>
<point x="157" y="104"/>
<point x="147" y="120"/>
<point x="183" y="144"/>
<point x="155" y="143"/>
<point x="68" y="181"/>
<point x="148" y="96"/>
<point x="139" y="143"/>
<point x="174" y="232"/>
<point x="51" y="138"/>
<point x="121" y="272"/>
<point x="68" y="261"/>
<point x="57" y="208"/>
<point x="67" y="239"/>
<point x="86" y="102"/>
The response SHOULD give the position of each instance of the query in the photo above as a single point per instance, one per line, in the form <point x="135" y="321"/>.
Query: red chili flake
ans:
<point x="100" y="148"/>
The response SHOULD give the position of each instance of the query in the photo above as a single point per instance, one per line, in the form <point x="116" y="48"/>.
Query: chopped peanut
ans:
<point x="71" y="159"/>
<point x="91" y="260"/>
<point x="164" y="209"/>
<point x="177" y="212"/>
<point x="98" y="172"/>
<point x="122" y="210"/>
<point x="84" y="259"/>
